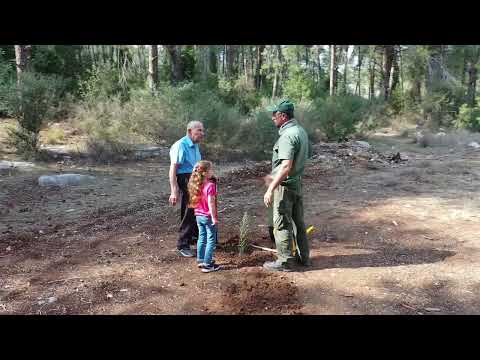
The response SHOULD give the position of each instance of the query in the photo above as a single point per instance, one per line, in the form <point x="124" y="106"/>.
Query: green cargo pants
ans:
<point x="288" y="224"/>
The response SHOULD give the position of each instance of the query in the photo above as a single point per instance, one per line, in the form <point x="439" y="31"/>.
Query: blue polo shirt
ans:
<point x="186" y="154"/>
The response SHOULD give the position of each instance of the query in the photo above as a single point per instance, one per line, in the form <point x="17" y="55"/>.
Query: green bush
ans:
<point x="111" y="133"/>
<point x="102" y="83"/>
<point x="376" y="114"/>
<point x="337" y="117"/>
<point x="468" y="118"/>
<point x="106" y="80"/>
<point x="240" y="94"/>
<point x="441" y="105"/>
<point x="54" y="136"/>
<point x="7" y="78"/>
<point x="255" y="136"/>
<point x="397" y="101"/>
<point x="60" y="60"/>
<point x="31" y="102"/>
<point x="113" y="126"/>
<point x="301" y="86"/>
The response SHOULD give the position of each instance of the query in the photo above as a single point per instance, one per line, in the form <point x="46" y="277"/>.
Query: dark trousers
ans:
<point x="188" y="223"/>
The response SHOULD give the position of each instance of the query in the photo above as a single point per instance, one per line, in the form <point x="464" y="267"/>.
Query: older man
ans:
<point x="284" y="193"/>
<point x="184" y="154"/>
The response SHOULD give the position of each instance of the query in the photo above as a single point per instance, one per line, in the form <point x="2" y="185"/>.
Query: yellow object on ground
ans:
<point x="310" y="229"/>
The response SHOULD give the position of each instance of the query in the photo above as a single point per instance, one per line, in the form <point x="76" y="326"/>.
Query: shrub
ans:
<point x="54" y="136"/>
<point x="255" y="135"/>
<point x="337" y="116"/>
<point x="115" y="125"/>
<point x="397" y="101"/>
<point x="60" y="60"/>
<point x="102" y="83"/>
<point x="301" y="86"/>
<point x="441" y="105"/>
<point x="240" y="94"/>
<point x="7" y="77"/>
<point x="110" y="132"/>
<point x="468" y="118"/>
<point x="31" y="102"/>
<point x="106" y="80"/>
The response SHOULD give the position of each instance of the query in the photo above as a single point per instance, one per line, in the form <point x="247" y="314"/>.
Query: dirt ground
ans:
<point x="400" y="238"/>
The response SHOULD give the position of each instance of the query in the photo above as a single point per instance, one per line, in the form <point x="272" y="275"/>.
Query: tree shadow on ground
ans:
<point x="437" y="297"/>
<point x="381" y="257"/>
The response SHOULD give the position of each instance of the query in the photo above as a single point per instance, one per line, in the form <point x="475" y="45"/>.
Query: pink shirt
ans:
<point x="208" y="189"/>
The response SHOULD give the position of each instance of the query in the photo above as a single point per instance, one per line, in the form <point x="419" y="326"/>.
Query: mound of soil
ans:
<point x="259" y="292"/>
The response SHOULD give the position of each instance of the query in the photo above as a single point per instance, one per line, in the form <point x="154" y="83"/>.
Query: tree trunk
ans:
<point x="472" y="83"/>
<point x="333" y="73"/>
<point x="153" y="68"/>
<point x="319" y="66"/>
<point x="371" y="88"/>
<point x="307" y="56"/>
<point x="358" y="88"/>
<point x="258" y="76"/>
<point x="400" y="67"/>
<point x="245" y="63"/>
<point x="22" y="59"/>
<point x="231" y="63"/>
<point x="112" y="55"/>
<point x="434" y="67"/>
<point x="464" y="71"/>
<point x="388" y="53"/>
<point x="204" y="57"/>
<point x="177" y="69"/>
<point x="252" y="64"/>
<point x="395" y="76"/>
<point x="278" y="72"/>
<point x="345" y="87"/>
<point x="213" y="64"/>
<point x="224" y="61"/>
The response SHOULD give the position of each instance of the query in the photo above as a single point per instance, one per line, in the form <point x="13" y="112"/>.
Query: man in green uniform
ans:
<point x="284" y="193"/>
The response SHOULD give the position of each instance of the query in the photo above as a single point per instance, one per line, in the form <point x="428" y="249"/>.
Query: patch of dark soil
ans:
<point x="233" y="260"/>
<point x="381" y="258"/>
<point x="260" y="293"/>
<point x="249" y="171"/>
<point x="16" y="241"/>
<point x="13" y="295"/>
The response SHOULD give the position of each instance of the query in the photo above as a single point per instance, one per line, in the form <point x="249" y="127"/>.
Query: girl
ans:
<point x="202" y="189"/>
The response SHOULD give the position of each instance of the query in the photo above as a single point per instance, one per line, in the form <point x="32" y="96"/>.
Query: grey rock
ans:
<point x="148" y="151"/>
<point x="65" y="180"/>
<point x="20" y="165"/>
<point x="363" y="144"/>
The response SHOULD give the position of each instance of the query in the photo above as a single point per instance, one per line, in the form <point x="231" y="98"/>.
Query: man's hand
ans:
<point x="268" y="197"/>
<point x="173" y="198"/>
<point x="274" y="181"/>
<point x="172" y="175"/>
<point x="214" y="221"/>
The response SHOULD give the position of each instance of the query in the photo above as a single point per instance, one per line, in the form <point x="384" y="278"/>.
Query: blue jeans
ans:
<point x="207" y="239"/>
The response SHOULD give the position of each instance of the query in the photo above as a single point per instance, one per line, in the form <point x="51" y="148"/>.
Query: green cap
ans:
<point x="286" y="106"/>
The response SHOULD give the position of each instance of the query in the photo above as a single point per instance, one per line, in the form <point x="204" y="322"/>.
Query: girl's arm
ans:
<point x="212" y="206"/>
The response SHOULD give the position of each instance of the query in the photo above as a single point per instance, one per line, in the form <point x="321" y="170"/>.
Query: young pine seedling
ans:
<point x="243" y="239"/>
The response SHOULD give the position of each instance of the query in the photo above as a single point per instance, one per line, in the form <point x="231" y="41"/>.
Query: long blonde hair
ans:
<point x="196" y="181"/>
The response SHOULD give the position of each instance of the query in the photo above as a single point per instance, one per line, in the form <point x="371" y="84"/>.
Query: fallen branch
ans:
<point x="63" y="280"/>
<point x="263" y="248"/>
<point x="409" y="307"/>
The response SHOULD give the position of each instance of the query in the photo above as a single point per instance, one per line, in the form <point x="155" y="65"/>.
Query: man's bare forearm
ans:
<point x="173" y="178"/>
<point x="281" y="175"/>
